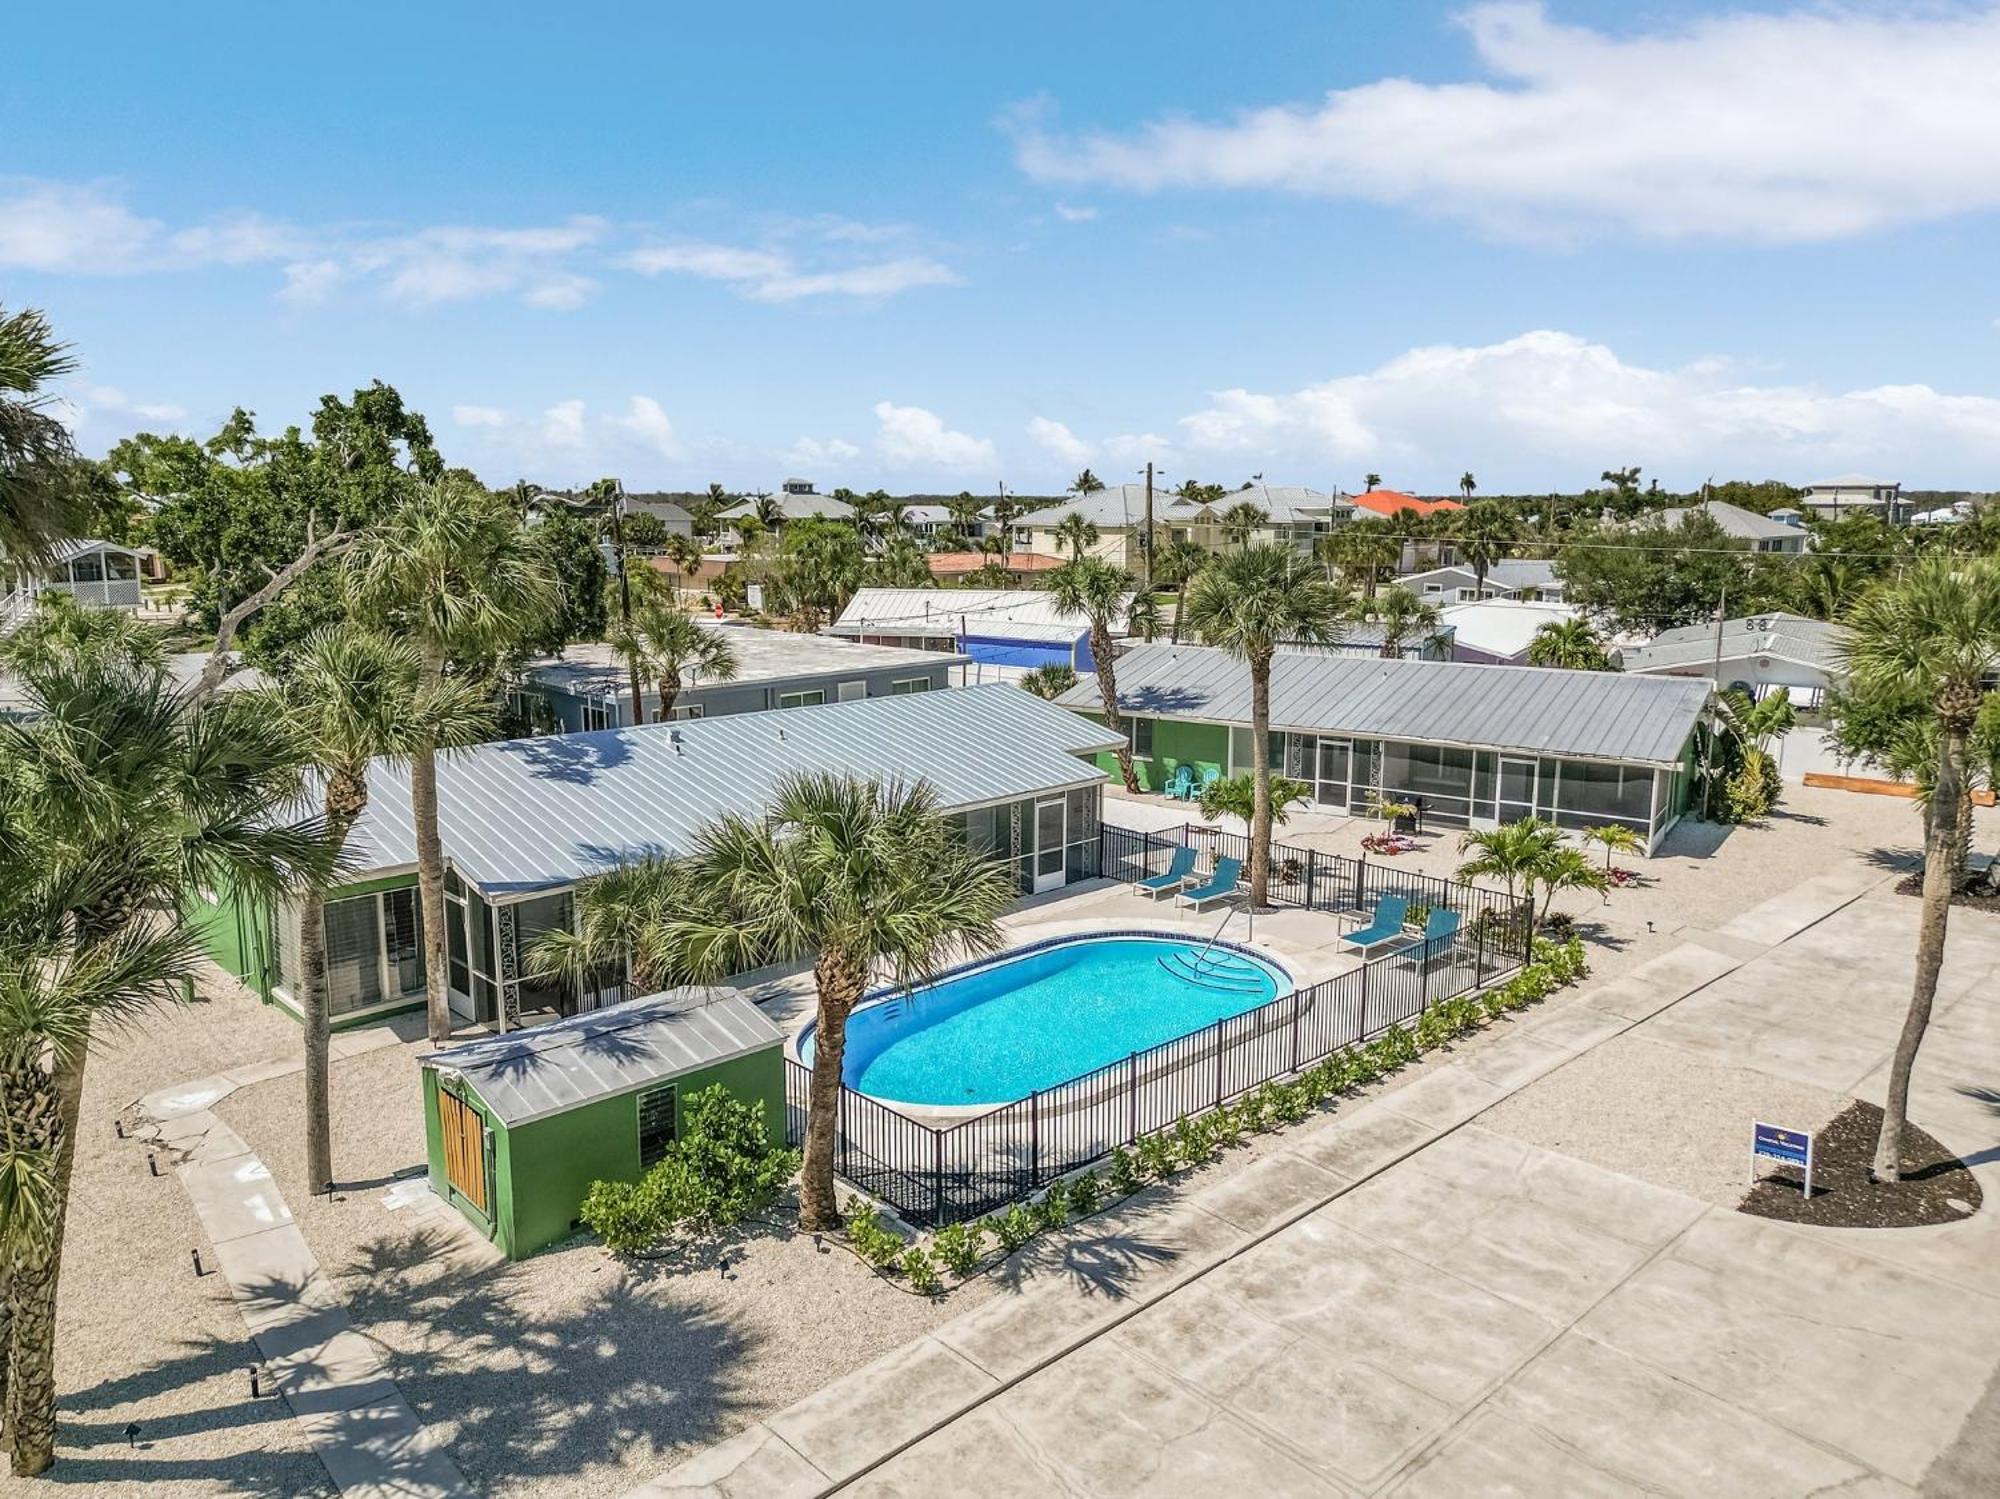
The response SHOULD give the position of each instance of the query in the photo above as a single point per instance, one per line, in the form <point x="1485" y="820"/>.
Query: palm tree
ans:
<point x="1048" y="682"/>
<point x="1085" y="483"/>
<point x="1466" y="484"/>
<point x="1567" y="869"/>
<point x="1484" y="534"/>
<point x="1176" y="566"/>
<point x="453" y="572"/>
<point x="856" y="875"/>
<point x="355" y="695"/>
<point x="1236" y="796"/>
<point x="62" y="635"/>
<point x="1937" y="632"/>
<point x="666" y="644"/>
<point x="1568" y="643"/>
<point x="40" y="499"/>
<point x="1615" y="838"/>
<point x="1143" y="618"/>
<point x="1098" y="592"/>
<point x="1076" y="532"/>
<point x="1243" y="520"/>
<point x="1371" y="481"/>
<point x="1249" y="603"/>
<point x="1515" y="852"/>
<point x="1402" y="614"/>
<point x="769" y="510"/>
<point x="1362" y="550"/>
<point x="902" y="563"/>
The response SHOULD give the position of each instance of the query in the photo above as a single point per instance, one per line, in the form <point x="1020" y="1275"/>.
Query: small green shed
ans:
<point x="518" y="1126"/>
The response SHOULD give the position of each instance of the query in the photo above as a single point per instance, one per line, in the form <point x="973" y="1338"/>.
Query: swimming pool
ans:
<point x="1010" y="1027"/>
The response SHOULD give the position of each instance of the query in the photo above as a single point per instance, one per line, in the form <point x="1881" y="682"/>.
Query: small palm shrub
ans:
<point x="1123" y="1173"/>
<point x="1086" y="1194"/>
<point x="958" y="1247"/>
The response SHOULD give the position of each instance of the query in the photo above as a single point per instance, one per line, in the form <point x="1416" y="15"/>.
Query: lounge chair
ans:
<point x="1179" y="870"/>
<point x="1386" y="926"/>
<point x="1440" y="931"/>
<point x="1180" y="785"/>
<point x="1220" y="884"/>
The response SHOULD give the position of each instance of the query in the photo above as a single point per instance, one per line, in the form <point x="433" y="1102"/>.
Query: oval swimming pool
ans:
<point x="1012" y="1026"/>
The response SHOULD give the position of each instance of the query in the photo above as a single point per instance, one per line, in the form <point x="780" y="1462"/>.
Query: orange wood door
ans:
<point x="464" y="1149"/>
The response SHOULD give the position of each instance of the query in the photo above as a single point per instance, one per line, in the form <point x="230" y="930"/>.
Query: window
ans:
<point x="353" y="955"/>
<point x="812" y="697"/>
<point x="656" y="1124"/>
<point x="403" y="939"/>
<point x="1139" y="735"/>
<point x="903" y="686"/>
<point x="684" y="711"/>
<point x="598" y="715"/>
<point x="851" y="691"/>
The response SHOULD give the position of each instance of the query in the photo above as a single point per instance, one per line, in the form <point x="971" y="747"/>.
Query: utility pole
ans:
<point x="625" y="593"/>
<point x="1721" y="614"/>
<point x="1146" y="537"/>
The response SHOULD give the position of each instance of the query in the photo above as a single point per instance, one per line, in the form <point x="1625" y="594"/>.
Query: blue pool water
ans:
<point x="1022" y="1024"/>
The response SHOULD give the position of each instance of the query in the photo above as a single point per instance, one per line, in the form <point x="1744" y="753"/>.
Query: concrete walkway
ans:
<point x="1405" y="1300"/>
<point x="329" y="1375"/>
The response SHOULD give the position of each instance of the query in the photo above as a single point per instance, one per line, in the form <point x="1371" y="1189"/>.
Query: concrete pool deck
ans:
<point x="1407" y="1299"/>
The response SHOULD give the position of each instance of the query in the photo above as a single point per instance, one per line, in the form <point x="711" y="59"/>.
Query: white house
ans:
<point x="1757" y="653"/>
<point x="1856" y="494"/>
<point x="97" y="574"/>
<point x="1765" y="533"/>
<point x="1498" y="632"/>
<point x="1532" y="580"/>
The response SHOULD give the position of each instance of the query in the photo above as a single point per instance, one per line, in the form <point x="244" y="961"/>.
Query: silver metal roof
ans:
<point x="548" y="1069"/>
<point x="761" y="656"/>
<point x="940" y="611"/>
<point x="1793" y="637"/>
<point x="1747" y="525"/>
<point x="1581" y="714"/>
<point x="540" y="814"/>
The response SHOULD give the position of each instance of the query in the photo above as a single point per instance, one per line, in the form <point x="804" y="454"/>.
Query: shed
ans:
<point x="518" y="1126"/>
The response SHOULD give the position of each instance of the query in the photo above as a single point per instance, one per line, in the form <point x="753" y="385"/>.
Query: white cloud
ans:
<point x="912" y="436"/>
<point x="1550" y="409"/>
<point x="1074" y="213"/>
<point x="479" y="416"/>
<point x="813" y="452"/>
<point x="563" y="424"/>
<point x="49" y="226"/>
<point x="308" y="282"/>
<point x="715" y="262"/>
<point x="79" y="407"/>
<point x="883" y="279"/>
<point x="1811" y="124"/>
<point x="768" y="275"/>
<point x="1057" y="440"/>
<point x="647" y="421"/>
<point x="453" y="263"/>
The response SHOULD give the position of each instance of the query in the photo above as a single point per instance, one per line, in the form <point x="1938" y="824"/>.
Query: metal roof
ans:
<point x="1502" y="627"/>
<point x="1581" y="714"/>
<point x="939" y="611"/>
<point x="1508" y="574"/>
<point x="761" y="656"/>
<point x="1793" y="637"/>
<point x="540" y="814"/>
<point x="549" y="1069"/>
<point x="1747" y="525"/>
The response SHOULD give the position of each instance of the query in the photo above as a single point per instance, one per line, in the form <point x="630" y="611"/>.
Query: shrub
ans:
<point x="1192" y="1142"/>
<point x="1054" y="1209"/>
<point x="922" y="1270"/>
<point x="1016" y="1226"/>
<point x="1254" y="1109"/>
<point x="958" y="1246"/>
<point x="1122" y="1172"/>
<point x="722" y="1168"/>
<point x="1292" y="1103"/>
<point x="879" y="1245"/>
<point x="1433" y="1029"/>
<point x="1086" y="1194"/>
<point x="1156" y="1156"/>
<point x="1225" y="1127"/>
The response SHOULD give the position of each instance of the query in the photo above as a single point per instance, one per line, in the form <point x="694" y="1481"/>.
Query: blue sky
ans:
<point x="923" y="248"/>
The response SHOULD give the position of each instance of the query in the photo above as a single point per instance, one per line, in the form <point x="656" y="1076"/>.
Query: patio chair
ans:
<point x="1385" y="926"/>
<point x="1209" y="776"/>
<point x="1440" y="930"/>
<point x="1220" y="884"/>
<point x="1180" y="785"/>
<point x="1179" y="870"/>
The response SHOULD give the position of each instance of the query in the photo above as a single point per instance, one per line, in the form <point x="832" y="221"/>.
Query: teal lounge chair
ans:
<point x="1386" y="926"/>
<point x="1440" y="931"/>
<point x="1179" y="870"/>
<point x="1220" y="884"/>
<point x="1180" y="785"/>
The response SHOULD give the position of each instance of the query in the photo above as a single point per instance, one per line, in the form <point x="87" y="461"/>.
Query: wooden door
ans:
<point x="464" y="1148"/>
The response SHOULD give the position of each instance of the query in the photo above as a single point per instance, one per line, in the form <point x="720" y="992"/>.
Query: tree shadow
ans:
<point x="577" y="759"/>
<point x="1103" y="1256"/>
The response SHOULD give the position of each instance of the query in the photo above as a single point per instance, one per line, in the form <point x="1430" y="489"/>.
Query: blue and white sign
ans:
<point x="1793" y="1147"/>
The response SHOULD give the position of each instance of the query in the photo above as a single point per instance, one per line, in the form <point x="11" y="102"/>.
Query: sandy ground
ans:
<point x="569" y="1373"/>
<point x="1703" y="875"/>
<point x="139" y="1338"/>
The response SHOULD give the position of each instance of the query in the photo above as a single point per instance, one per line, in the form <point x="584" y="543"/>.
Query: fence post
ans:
<point x="1218" y="1064"/>
<point x="1361" y="883"/>
<point x="1479" y="954"/>
<point x="840" y="1127"/>
<point x="1312" y="866"/>
<point x="1132" y="1098"/>
<point x="1296" y="1009"/>
<point x="1365" y="966"/>
<point x="1035" y="1136"/>
<point x="937" y="1177"/>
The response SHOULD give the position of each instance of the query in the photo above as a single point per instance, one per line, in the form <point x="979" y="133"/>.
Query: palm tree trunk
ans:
<point x="6" y="1351"/>
<point x="1107" y="690"/>
<point x="1180" y="604"/>
<point x="346" y="796"/>
<point x="430" y="871"/>
<point x="840" y="981"/>
<point x="670" y="689"/>
<point x="36" y="1113"/>
<point x="1260" y="777"/>
<point x="1940" y="884"/>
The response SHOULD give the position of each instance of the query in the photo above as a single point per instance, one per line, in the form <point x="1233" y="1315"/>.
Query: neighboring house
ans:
<point x="1856" y="494"/>
<point x="1758" y="654"/>
<point x="97" y="574"/>
<point x="1531" y="579"/>
<point x="1418" y="555"/>
<point x="184" y="669"/>
<point x="588" y="688"/>
<point x="1365" y="637"/>
<point x="1478" y="745"/>
<point x="1013" y="627"/>
<point x="1764" y="533"/>
<point x="664" y="508"/>
<point x="524" y="821"/>
<point x="949" y="567"/>
<point x="1296" y="515"/>
<point x="1498" y="632"/>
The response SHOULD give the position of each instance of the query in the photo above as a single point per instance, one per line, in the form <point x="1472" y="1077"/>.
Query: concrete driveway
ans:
<point x="1411" y="1299"/>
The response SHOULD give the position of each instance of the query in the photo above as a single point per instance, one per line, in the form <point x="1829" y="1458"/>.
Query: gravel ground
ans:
<point x="139" y="1338"/>
<point x="569" y="1373"/>
<point x="1660" y="1114"/>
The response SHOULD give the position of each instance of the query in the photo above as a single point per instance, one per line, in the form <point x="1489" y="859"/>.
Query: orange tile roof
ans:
<point x="1389" y="501"/>
<point x="957" y="564"/>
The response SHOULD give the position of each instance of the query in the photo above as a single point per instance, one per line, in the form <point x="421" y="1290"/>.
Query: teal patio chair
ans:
<point x="1221" y="884"/>
<point x="1385" y="926"/>
<point x="1179" y="870"/>
<point x="1180" y="785"/>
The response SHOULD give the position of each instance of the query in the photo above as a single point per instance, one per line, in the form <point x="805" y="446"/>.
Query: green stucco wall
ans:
<point x="236" y="932"/>
<point x="1175" y="743"/>
<point x="543" y="1169"/>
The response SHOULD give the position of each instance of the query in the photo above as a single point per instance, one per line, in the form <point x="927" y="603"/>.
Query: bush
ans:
<point x="1054" y="1209"/>
<point x="922" y="1270"/>
<point x="1753" y="790"/>
<point x="959" y="1246"/>
<point x="1156" y="1156"/>
<point x="879" y="1245"/>
<point x="1122" y="1172"/>
<point x="722" y="1168"/>
<point x="1086" y="1194"/>
<point x="1016" y="1226"/>
<point x="1192" y="1143"/>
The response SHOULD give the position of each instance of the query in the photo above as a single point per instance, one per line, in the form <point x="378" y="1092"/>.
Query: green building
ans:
<point x="518" y="1126"/>
<point x="524" y="821"/>
<point x="1474" y="745"/>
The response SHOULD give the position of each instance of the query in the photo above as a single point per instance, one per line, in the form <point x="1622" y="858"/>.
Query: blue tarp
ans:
<point x="1001" y="650"/>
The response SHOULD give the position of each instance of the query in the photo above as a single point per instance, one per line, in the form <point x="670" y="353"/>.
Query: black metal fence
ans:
<point x="937" y="1174"/>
